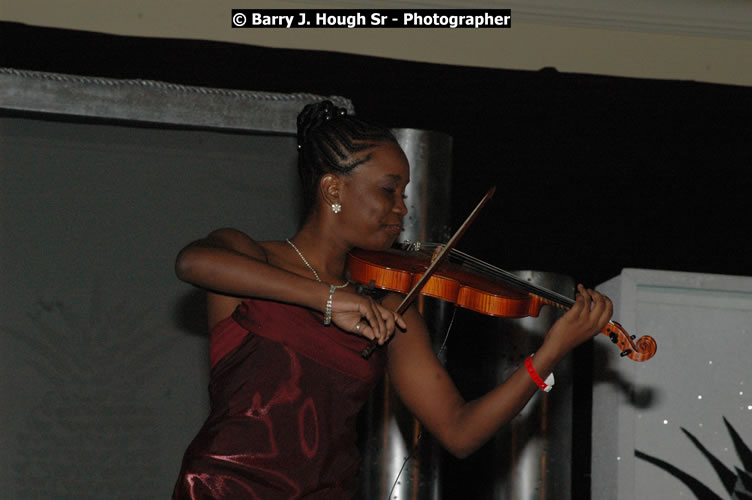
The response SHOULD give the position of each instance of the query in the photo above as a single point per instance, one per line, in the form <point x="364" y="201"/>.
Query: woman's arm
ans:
<point x="229" y="262"/>
<point x="232" y="265"/>
<point x="461" y="426"/>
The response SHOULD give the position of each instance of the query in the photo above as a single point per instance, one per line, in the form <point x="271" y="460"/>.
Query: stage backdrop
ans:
<point x="103" y="352"/>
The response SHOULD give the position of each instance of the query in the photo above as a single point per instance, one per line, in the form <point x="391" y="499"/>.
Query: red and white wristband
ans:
<point x="545" y="385"/>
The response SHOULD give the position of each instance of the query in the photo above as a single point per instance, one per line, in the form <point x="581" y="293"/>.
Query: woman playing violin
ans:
<point x="287" y="329"/>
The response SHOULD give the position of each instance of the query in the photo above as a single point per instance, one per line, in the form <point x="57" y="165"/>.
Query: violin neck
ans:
<point x="550" y="297"/>
<point x="640" y="350"/>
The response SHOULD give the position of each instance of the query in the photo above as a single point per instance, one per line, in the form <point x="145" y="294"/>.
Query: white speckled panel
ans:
<point x="663" y="428"/>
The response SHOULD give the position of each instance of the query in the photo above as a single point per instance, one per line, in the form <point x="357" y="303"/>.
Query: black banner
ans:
<point x="361" y="18"/>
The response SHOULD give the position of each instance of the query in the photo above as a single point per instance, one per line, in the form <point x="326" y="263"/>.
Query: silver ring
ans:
<point x="357" y="327"/>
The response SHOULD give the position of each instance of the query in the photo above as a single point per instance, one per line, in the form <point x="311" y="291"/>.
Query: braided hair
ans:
<point x="328" y="139"/>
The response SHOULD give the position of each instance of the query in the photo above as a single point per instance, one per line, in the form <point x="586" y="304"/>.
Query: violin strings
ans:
<point x="483" y="267"/>
<point x="478" y="265"/>
<point x="506" y="275"/>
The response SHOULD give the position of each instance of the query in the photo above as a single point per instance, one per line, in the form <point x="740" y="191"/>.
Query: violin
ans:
<point x="472" y="284"/>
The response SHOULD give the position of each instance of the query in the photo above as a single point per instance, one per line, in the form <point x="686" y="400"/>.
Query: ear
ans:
<point x="329" y="188"/>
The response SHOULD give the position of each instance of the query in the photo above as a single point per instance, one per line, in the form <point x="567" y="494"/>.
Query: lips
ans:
<point x="393" y="229"/>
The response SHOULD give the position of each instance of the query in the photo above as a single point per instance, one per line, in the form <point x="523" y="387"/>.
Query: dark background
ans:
<point x="593" y="173"/>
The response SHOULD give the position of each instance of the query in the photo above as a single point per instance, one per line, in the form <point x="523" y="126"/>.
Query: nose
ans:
<point x="400" y="207"/>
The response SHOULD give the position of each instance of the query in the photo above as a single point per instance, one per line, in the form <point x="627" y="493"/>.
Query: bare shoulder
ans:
<point x="276" y="253"/>
<point x="220" y="306"/>
<point x="237" y="241"/>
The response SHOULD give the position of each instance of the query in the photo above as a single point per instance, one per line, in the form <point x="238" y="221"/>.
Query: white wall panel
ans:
<point x="670" y="407"/>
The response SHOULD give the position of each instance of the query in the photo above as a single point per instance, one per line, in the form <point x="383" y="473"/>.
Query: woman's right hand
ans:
<point x="364" y="316"/>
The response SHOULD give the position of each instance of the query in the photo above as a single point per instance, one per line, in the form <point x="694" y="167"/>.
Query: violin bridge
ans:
<point x="411" y="246"/>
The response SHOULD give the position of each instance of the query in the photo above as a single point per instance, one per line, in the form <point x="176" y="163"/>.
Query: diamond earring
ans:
<point x="336" y="208"/>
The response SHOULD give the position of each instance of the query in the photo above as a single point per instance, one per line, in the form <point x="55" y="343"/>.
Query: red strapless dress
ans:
<point x="285" y="393"/>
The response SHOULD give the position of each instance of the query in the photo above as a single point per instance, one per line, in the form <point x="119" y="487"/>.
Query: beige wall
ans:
<point x="693" y="41"/>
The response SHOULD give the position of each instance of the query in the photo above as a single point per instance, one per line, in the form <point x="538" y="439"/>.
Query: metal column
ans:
<point x="397" y="462"/>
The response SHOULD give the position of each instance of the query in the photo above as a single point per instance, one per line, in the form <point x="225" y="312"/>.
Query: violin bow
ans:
<point x="435" y="263"/>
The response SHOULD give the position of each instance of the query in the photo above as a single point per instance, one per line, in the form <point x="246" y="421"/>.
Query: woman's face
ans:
<point x="372" y="198"/>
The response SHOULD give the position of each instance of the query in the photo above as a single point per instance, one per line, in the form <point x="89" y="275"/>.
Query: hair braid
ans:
<point x="328" y="139"/>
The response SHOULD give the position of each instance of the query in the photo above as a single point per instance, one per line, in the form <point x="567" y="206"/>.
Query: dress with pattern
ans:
<point x="285" y="392"/>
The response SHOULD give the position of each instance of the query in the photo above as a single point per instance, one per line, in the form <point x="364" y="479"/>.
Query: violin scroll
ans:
<point x="642" y="349"/>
